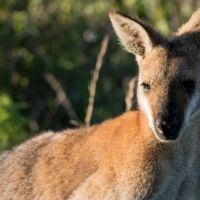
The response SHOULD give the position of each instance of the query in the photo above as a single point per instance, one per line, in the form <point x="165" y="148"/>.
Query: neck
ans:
<point x="147" y="161"/>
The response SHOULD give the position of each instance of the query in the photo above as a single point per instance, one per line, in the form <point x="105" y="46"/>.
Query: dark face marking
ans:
<point x="168" y="81"/>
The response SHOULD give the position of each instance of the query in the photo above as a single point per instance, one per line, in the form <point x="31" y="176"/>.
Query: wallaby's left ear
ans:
<point x="137" y="37"/>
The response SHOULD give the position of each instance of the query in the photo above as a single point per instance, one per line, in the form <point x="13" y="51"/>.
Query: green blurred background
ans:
<point x="62" y="38"/>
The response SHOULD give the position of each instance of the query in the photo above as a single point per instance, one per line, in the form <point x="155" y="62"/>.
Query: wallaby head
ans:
<point x="169" y="72"/>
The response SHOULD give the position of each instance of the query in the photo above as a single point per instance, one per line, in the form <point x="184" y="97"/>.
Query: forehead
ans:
<point x="168" y="63"/>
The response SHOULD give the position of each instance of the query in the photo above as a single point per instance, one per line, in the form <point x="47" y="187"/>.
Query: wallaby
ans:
<point x="152" y="153"/>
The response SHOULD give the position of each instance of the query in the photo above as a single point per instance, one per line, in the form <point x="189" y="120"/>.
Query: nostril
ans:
<point x="166" y="125"/>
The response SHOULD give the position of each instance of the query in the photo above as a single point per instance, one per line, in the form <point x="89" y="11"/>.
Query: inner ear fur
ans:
<point x="136" y="36"/>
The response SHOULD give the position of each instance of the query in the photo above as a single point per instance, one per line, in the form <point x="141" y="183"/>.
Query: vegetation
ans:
<point x="59" y="40"/>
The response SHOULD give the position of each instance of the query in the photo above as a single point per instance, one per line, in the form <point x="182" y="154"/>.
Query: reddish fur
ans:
<point x="66" y="160"/>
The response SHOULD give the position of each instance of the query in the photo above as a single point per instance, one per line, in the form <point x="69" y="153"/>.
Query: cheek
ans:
<point x="145" y="104"/>
<point x="153" y="103"/>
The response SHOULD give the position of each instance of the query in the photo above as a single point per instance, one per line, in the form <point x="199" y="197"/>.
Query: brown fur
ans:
<point x="122" y="158"/>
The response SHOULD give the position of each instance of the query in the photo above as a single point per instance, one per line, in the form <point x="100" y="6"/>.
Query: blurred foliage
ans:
<point x="12" y="123"/>
<point x="63" y="37"/>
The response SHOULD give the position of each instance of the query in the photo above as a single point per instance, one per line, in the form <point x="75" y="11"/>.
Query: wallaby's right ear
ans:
<point x="136" y="37"/>
<point x="192" y="25"/>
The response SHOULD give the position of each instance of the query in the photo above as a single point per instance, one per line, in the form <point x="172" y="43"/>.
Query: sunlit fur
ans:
<point x="122" y="158"/>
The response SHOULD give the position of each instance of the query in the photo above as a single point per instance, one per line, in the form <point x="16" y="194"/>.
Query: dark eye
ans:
<point x="188" y="86"/>
<point x="146" y="87"/>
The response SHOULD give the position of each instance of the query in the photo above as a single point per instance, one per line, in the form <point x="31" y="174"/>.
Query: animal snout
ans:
<point x="167" y="127"/>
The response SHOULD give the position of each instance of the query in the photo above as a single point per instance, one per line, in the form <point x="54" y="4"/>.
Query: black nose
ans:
<point x="168" y="128"/>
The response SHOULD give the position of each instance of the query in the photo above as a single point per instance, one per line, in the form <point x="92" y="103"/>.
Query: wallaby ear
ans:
<point x="137" y="37"/>
<point x="192" y="25"/>
<point x="189" y="33"/>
